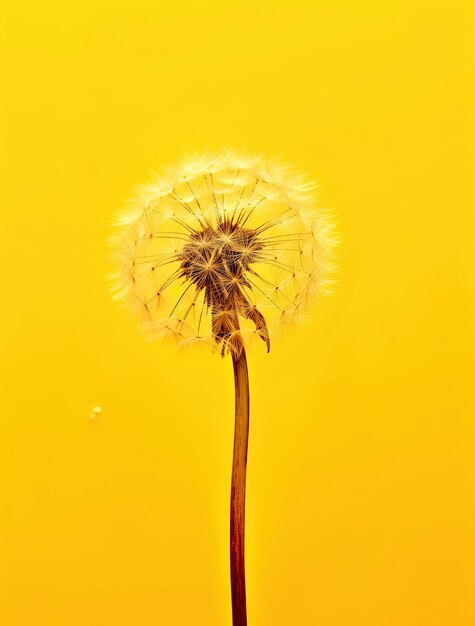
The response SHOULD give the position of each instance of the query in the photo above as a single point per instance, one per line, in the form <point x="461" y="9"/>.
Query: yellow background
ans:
<point x="360" y="474"/>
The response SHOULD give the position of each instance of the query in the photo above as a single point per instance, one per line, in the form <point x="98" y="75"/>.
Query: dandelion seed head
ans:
<point x="221" y="251"/>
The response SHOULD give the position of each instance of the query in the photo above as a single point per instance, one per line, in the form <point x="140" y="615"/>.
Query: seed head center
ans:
<point x="218" y="261"/>
<point x="214" y="257"/>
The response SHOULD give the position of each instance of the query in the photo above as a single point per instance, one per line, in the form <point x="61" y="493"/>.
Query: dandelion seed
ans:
<point x="95" y="412"/>
<point x="222" y="250"/>
<point x="238" y="227"/>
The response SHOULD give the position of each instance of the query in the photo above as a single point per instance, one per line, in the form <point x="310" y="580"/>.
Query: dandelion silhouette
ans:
<point x="222" y="250"/>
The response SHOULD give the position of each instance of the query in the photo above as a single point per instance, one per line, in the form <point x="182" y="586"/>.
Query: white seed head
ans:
<point x="223" y="249"/>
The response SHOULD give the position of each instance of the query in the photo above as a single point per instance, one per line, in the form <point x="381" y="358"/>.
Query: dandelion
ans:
<point x="224" y="251"/>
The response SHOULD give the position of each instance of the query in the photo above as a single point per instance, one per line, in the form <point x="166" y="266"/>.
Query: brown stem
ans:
<point x="238" y="489"/>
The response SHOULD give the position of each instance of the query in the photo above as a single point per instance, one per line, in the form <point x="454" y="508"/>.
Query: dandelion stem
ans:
<point x="238" y="488"/>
